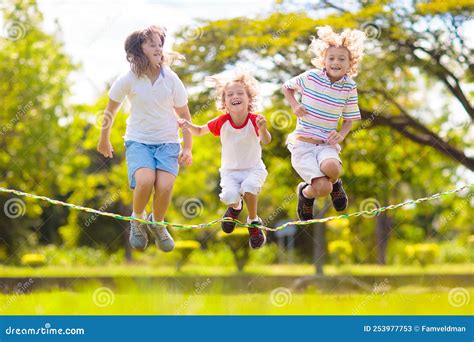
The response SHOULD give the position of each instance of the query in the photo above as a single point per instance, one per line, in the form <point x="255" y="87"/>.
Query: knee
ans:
<point x="321" y="187"/>
<point x="145" y="180"/>
<point x="332" y="168"/>
<point x="163" y="189"/>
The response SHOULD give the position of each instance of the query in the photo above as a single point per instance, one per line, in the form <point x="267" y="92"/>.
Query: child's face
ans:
<point x="236" y="97"/>
<point x="153" y="49"/>
<point x="337" y="62"/>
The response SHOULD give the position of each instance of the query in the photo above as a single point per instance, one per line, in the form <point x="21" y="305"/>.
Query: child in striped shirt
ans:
<point x="327" y="94"/>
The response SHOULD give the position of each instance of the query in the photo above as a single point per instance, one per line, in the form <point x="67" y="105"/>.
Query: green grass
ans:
<point x="282" y="270"/>
<point x="418" y="301"/>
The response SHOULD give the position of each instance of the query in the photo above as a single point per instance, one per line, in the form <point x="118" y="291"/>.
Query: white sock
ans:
<point x="140" y="216"/>
<point x="239" y="206"/>
<point x="249" y="220"/>
<point x="153" y="219"/>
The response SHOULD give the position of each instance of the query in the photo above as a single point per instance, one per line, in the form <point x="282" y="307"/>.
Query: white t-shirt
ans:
<point x="152" y="119"/>
<point x="240" y="144"/>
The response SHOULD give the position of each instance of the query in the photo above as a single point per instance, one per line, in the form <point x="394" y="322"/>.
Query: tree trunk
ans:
<point x="320" y="239"/>
<point x="383" y="228"/>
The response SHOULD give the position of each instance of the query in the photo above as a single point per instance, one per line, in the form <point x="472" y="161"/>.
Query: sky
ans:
<point x="94" y="31"/>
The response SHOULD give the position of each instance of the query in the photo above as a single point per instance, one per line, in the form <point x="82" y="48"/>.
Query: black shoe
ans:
<point x="257" y="236"/>
<point x="339" y="196"/>
<point x="305" y="205"/>
<point x="228" y="227"/>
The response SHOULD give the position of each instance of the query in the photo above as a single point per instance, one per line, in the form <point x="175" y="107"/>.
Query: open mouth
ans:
<point x="335" y="68"/>
<point x="236" y="102"/>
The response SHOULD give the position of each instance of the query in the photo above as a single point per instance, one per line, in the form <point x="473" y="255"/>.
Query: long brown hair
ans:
<point x="133" y="47"/>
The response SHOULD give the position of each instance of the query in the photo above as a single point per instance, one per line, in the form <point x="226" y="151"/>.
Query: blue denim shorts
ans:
<point x="156" y="157"/>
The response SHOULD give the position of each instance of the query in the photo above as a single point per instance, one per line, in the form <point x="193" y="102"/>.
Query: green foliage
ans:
<point x="423" y="253"/>
<point x="49" y="147"/>
<point x="80" y="256"/>
<point x="33" y="260"/>
<point x="183" y="250"/>
<point x="237" y="242"/>
<point x="340" y="251"/>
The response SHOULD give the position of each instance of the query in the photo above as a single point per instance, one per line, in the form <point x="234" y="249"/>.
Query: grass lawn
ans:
<point x="97" y="302"/>
<point x="287" y="270"/>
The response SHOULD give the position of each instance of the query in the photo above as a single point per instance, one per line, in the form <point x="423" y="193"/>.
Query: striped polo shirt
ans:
<point x="325" y="103"/>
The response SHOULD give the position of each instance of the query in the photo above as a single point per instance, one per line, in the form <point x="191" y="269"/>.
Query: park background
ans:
<point x="415" y="85"/>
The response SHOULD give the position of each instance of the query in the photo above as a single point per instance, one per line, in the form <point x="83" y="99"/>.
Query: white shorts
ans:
<point x="306" y="158"/>
<point x="235" y="183"/>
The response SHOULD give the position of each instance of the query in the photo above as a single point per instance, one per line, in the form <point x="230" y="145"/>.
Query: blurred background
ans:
<point x="416" y="89"/>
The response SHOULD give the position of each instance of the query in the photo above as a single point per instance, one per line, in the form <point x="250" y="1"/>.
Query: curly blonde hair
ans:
<point x="352" y="40"/>
<point x="220" y="82"/>
<point x="133" y="47"/>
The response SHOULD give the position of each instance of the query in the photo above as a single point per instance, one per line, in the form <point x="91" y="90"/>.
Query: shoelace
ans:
<point x="254" y="233"/>
<point x="307" y="209"/>
<point x="337" y="194"/>
<point x="136" y="230"/>
<point x="162" y="233"/>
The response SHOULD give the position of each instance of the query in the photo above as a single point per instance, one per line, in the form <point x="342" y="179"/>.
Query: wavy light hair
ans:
<point x="220" y="82"/>
<point x="133" y="47"/>
<point x="352" y="40"/>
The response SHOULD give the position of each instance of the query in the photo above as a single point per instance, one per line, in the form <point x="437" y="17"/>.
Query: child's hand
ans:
<point x="300" y="111"/>
<point x="261" y="122"/>
<point x="183" y="123"/>
<point x="105" y="148"/>
<point x="185" y="157"/>
<point x="334" y="138"/>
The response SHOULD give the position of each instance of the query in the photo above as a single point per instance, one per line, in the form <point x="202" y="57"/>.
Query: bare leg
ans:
<point x="163" y="188"/>
<point x="320" y="187"/>
<point x="144" y="179"/>
<point x="251" y="202"/>
<point x="332" y="169"/>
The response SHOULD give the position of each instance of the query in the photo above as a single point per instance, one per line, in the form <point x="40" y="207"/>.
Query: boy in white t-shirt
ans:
<point x="241" y="132"/>
<point x="153" y="150"/>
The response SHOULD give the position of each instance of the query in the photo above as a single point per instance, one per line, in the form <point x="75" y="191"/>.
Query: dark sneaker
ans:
<point x="257" y="236"/>
<point x="339" y="196"/>
<point x="305" y="205"/>
<point x="228" y="227"/>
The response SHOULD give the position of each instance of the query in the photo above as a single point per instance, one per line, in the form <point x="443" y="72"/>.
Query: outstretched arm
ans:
<point x="187" y="125"/>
